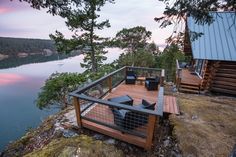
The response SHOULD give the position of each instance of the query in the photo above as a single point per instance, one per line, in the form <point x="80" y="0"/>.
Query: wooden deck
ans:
<point x="170" y="105"/>
<point x="137" y="93"/>
<point x="190" y="82"/>
<point x="103" y="113"/>
<point x="190" y="78"/>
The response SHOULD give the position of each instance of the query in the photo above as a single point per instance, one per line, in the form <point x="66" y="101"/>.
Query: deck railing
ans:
<point x="90" y="106"/>
<point x="178" y="75"/>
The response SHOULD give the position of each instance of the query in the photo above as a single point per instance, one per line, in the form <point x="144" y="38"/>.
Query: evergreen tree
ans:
<point x="167" y="60"/>
<point x="84" y="18"/>
<point x="132" y="39"/>
<point x="177" y="11"/>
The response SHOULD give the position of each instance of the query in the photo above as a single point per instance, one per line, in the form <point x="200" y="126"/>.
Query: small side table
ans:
<point x="141" y="79"/>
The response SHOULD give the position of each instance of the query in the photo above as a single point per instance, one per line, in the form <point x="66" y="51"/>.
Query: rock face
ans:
<point x="59" y="136"/>
<point x="82" y="145"/>
<point x="2" y="56"/>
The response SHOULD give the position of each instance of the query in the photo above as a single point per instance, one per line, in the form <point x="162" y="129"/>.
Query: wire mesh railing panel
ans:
<point x="98" y="90"/>
<point x="125" y="120"/>
<point x="146" y="72"/>
<point x="84" y="105"/>
<point x="118" y="77"/>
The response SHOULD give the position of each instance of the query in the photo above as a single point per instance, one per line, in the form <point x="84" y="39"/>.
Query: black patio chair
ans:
<point x="130" y="77"/>
<point x="151" y="83"/>
<point x="129" y="120"/>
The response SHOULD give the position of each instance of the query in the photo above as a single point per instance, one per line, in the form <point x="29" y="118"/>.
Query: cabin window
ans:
<point x="199" y="66"/>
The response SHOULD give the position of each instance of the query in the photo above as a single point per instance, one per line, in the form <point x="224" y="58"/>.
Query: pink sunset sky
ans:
<point x="18" y="19"/>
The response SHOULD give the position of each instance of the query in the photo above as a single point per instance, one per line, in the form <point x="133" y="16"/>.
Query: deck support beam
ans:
<point x="150" y="131"/>
<point x="77" y="111"/>
<point x="110" y="84"/>
<point x="162" y="77"/>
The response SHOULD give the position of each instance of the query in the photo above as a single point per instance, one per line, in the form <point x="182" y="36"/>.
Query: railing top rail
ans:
<point x="158" y="112"/>
<point x="177" y="64"/>
<point x="80" y="90"/>
<point x="163" y="73"/>
<point x="145" y="68"/>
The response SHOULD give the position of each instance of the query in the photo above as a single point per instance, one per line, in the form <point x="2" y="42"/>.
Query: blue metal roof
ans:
<point x="218" y="41"/>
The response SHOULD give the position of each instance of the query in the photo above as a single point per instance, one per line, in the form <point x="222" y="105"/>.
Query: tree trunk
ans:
<point x="93" y="59"/>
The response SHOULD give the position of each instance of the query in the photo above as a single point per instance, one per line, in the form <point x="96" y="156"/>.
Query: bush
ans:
<point x="56" y="89"/>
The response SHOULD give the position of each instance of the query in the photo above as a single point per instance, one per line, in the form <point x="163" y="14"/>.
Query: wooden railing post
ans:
<point x="178" y="75"/>
<point x="77" y="111"/>
<point x="162" y="77"/>
<point x="178" y="82"/>
<point x="150" y="131"/>
<point x="110" y="83"/>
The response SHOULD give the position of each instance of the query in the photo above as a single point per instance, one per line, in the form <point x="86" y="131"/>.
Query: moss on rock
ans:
<point x="82" y="145"/>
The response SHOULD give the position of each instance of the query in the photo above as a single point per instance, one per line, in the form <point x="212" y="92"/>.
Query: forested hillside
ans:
<point x="18" y="51"/>
<point x="14" y="46"/>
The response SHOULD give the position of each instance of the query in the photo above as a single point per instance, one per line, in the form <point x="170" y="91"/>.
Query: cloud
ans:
<point x="7" y="6"/>
<point x="5" y="10"/>
<point x="32" y="23"/>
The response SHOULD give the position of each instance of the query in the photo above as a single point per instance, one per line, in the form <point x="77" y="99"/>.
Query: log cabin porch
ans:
<point x="187" y="80"/>
<point x="94" y="111"/>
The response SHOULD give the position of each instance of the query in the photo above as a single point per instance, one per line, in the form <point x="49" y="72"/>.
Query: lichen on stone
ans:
<point x="82" y="145"/>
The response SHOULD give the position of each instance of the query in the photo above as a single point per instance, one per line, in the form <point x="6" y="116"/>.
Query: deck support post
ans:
<point x="178" y="78"/>
<point x="110" y="84"/>
<point x="77" y="111"/>
<point x="162" y="77"/>
<point x="178" y="75"/>
<point x="150" y="131"/>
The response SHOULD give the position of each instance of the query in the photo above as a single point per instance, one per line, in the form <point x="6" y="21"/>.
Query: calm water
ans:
<point x="19" y="88"/>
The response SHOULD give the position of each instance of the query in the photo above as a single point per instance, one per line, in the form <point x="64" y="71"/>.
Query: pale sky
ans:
<point x="18" y="19"/>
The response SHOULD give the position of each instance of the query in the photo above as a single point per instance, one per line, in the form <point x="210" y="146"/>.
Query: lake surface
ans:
<point x="19" y="88"/>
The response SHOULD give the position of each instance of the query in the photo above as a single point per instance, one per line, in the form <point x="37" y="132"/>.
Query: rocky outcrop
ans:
<point x="59" y="136"/>
<point x="2" y="56"/>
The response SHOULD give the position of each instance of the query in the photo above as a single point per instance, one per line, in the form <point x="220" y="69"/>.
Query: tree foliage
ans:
<point x="82" y="19"/>
<point x="177" y="11"/>
<point x="132" y="39"/>
<point x="141" y="58"/>
<point x="153" y="48"/>
<point x="56" y="89"/>
<point x="168" y="58"/>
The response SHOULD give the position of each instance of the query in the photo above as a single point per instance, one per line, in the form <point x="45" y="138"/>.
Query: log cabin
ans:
<point x="213" y="56"/>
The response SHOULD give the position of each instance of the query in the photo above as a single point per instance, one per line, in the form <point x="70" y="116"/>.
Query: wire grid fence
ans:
<point x="146" y="72"/>
<point x="98" y="90"/>
<point x="118" y="78"/>
<point x="124" y="120"/>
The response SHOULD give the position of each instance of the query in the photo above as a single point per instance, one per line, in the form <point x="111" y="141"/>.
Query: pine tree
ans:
<point x="82" y="19"/>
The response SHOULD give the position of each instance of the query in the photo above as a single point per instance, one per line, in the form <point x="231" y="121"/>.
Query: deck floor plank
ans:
<point x="170" y="105"/>
<point x="190" y="78"/>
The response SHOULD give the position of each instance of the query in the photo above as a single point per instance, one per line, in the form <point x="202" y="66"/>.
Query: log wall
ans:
<point x="220" y="77"/>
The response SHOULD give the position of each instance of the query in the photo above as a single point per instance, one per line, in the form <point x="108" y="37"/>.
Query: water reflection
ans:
<point x="19" y="88"/>
<point x="8" y="78"/>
